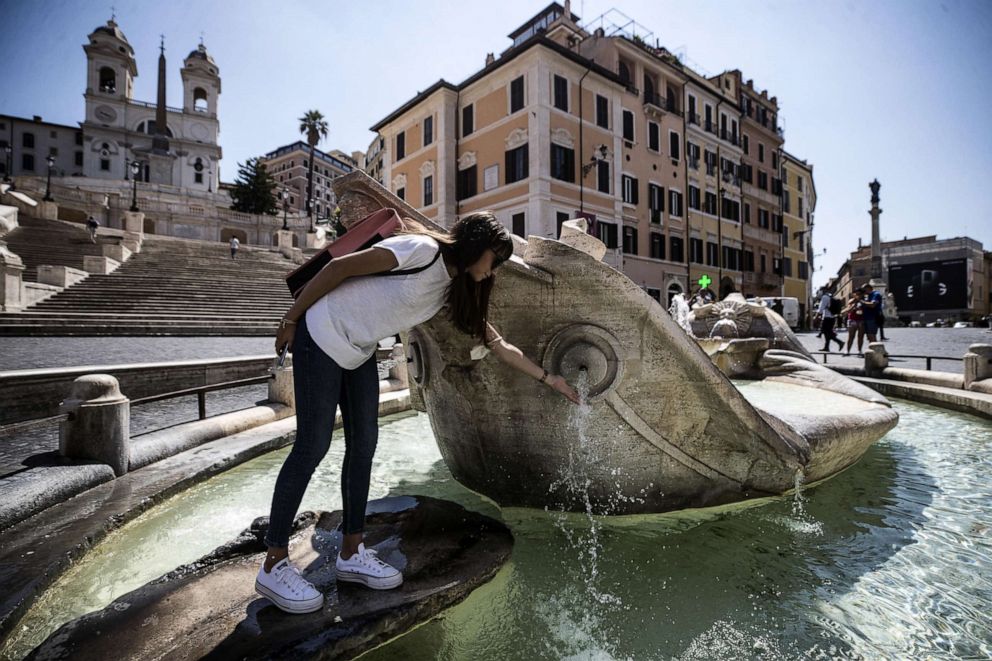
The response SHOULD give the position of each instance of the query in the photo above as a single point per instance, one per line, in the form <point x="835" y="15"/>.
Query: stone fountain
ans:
<point x="668" y="429"/>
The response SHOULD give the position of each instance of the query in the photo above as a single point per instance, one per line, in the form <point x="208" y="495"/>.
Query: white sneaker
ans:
<point x="365" y="568"/>
<point x="286" y="588"/>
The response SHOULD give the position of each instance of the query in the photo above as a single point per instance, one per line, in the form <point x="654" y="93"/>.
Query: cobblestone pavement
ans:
<point x="912" y="341"/>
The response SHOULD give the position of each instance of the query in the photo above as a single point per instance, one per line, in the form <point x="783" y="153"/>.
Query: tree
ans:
<point x="254" y="189"/>
<point x="314" y="126"/>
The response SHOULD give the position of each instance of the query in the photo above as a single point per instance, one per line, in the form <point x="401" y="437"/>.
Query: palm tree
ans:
<point x="314" y="126"/>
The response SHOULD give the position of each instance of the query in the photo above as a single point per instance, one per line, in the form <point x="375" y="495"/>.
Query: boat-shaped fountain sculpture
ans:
<point x="667" y="430"/>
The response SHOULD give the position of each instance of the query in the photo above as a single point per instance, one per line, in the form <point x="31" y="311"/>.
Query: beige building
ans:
<point x="798" y="205"/>
<point x="571" y="121"/>
<point x="289" y="166"/>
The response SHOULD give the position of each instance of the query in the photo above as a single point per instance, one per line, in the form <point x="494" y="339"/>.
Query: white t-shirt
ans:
<point x="825" y="306"/>
<point x="348" y="322"/>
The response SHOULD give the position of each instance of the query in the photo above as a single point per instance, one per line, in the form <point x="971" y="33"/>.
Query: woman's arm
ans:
<point x="363" y="262"/>
<point x="515" y="358"/>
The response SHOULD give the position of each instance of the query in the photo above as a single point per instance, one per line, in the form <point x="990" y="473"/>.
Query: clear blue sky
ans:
<point x="894" y="89"/>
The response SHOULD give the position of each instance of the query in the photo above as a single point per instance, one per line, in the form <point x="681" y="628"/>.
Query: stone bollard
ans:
<point x="876" y="359"/>
<point x="281" y="387"/>
<point x="99" y="422"/>
<point x="977" y="364"/>
<point x="398" y="370"/>
<point x="11" y="271"/>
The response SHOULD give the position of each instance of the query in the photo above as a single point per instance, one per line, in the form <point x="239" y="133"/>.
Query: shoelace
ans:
<point x="292" y="577"/>
<point x="370" y="559"/>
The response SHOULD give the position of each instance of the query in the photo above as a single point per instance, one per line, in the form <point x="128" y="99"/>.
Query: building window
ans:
<point x="602" y="112"/>
<point x="786" y="202"/>
<point x="105" y="164"/>
<point x="467" y="183"/>
<point x="560" y="218"/>
<point x="694" y="197"/>
<point x="516" y="94"/>
<point x="763" y="218"/>
<point x="428" y="130"/>
<point x="630" y="240"/>
<point x="711" y="253"/>
<point x="764" y="263"/>
<point x="198" y="177"/>
<point x="400" y="147"/>
<point x="777" y="266"/>
<point x="747" y="213"/>
<point x="747" y="145"/>
<point x="108" y="80"/>
<point x="675" y="203"/>
<point x="27" y="162"/>
<point x="53" y="151"/>
<point x="27" y="140"/>
<point x="428" y="190"/>
<point x="762" y="180"/>
<point x="517" y="220"/>
<point x="516" y="164"/>
<point x="731" y="209"/>
<point x="468" y="120"/>
<point x="676" y="252"/>
<point x="696" y="250"/>
<point x="603" y="177"/>
<point x="563" y="163"/>
<point x="628" y="126"/>
<point x="656" y="202"/>
<point x="748" y="261"/>
<point x="400" y="193"/>
<point x="803" y="270"/>
<point x="774" y="160"/>
<point x="607" y="233"/>
<point x="561" y="93"/>
<point x="693" y="118"/>
<point x="674" y="149"/>
<point x="629" y="189"/>
<point x="657" y="246"/>
<point x="654" y="137"/>
<point x="709" y="203"/>
<point x="79" y="158"/>
<point x="761" y="152"/>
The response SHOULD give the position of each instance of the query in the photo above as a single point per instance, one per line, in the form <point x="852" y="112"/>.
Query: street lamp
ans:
<point x="284" y="194"/>
<point x="135" y="169"/>
<point x="48" y="186"/>
<point x="7" y="152"/>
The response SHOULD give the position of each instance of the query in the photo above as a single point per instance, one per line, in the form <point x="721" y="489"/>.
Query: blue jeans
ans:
<point x="320" y="385"/>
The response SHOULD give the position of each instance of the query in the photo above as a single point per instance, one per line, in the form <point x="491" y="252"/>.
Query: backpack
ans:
<point x="364" y="234"/>
<point x="835" y="305"/>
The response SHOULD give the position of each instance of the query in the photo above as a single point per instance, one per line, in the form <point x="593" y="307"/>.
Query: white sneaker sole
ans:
<point x="376" y="583"/>
<point x="290" y="605"/>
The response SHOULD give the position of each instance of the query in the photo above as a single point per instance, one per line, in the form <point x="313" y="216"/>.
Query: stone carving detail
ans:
<point x="466" y="160"/>
<point x="562" y="137"/>
<point x="427" y="169"/>
<point x="727" y="318"/>
<point x="399" y="181"/>
<point x="516" y="138"/>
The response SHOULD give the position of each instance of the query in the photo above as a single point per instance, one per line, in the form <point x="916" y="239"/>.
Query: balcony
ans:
<point x="659" y="104"/>
<point x="694" y="163"/>
<point x="693" y="118"/>
<point x="710" y="127"/>
<point x="730" y="137"/>
<point x="762" y="281"/>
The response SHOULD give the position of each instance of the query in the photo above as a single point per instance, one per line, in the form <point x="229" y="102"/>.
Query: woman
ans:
<point x="333" y="329"/>
<point x="855" y="321"/>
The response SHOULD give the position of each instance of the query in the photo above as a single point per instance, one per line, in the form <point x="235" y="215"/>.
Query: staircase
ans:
<point x="172" y="287"/>
<point x="54" y="242"/>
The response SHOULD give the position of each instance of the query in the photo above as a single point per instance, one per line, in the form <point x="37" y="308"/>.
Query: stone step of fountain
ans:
<point x="444" y="550"/>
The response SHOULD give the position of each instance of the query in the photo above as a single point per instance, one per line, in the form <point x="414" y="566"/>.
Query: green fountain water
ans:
<point x="890" y="559"/>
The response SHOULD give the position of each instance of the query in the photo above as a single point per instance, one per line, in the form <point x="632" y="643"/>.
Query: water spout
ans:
<point x="679" y="309"/>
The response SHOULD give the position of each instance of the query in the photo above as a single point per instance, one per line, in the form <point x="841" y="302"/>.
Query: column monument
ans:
<point x="877" y="281"/>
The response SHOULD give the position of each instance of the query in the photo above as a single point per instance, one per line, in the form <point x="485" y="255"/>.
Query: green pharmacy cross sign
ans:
<point x="705" y="281"/>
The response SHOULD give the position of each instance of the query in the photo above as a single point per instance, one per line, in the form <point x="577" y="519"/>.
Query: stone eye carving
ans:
<point x="586" y="347"/>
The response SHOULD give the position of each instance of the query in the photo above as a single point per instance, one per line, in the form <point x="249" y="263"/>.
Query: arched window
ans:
<point x="624" y="71"/>
<point x="108" y="80"/>
<point x="672" y="99"/>
<point x="649" y="88"/>
<point x="199" y="100"/>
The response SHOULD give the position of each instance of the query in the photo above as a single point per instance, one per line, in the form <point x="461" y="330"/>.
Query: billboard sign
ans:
<point x="937" y="285"/>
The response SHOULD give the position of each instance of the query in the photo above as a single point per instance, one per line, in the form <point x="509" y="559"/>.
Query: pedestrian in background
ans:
<point x="854" y="310"/>
<point x="828" y="310"/>
<point x="234" y="246"/>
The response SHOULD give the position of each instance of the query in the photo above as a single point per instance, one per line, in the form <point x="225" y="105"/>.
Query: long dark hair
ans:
<point x="462" y="246"/>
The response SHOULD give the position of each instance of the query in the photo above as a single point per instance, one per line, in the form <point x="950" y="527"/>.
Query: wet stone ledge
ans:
<point x="209" y="608"/>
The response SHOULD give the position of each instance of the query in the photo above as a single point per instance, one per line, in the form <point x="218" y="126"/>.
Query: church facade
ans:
<point x="175" y="146"/>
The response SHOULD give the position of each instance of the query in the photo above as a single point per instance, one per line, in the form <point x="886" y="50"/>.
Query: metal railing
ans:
<point x="928" y="359"/>
<point x="201" y="392"/>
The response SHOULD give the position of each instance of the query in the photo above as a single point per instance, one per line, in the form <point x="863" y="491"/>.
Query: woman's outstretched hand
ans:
<point x="561" y="385"/>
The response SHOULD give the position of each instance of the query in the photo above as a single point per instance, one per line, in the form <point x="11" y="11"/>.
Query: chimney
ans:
<point x="490" y="59"/>
<point x="568" y="9"/>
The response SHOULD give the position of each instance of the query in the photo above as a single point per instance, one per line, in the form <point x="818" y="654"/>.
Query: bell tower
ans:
<point x="110" y="64"/>
<point x="201" y="83"/>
